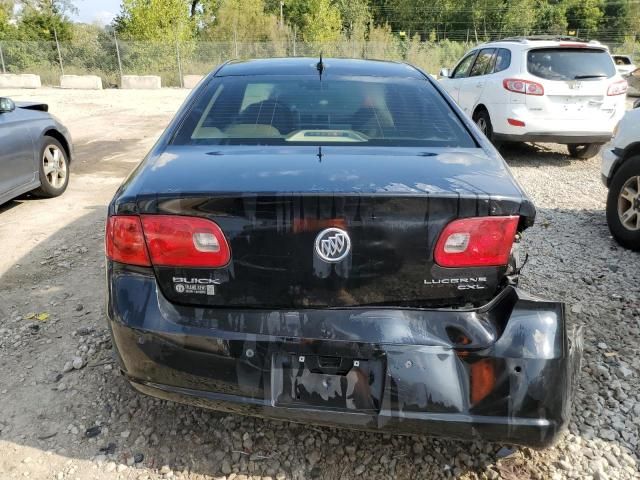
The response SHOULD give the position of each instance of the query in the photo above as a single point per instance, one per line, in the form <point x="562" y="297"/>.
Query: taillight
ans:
<point x="166" y="240"/>
<point x="525" y="87"/>
<point x="177" y="241"/>
<point x="124" y="241"/>
<point x="476" y="242"/>
<point x="617" y="88"/>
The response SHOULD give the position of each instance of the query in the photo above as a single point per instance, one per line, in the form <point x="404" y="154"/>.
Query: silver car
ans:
<point x="35" y="151"/>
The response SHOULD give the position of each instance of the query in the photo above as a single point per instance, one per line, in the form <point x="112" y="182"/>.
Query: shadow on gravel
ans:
<point x="106" y="157"/>
<point x="90" y="413"/>
<point x="533" y="154"/>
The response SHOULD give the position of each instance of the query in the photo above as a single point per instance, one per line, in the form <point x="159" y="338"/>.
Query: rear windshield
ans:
<point x="279" y="110"/>
<point x="570" y="63"/>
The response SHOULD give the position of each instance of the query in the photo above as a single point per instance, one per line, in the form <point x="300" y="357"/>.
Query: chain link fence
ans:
<point x="110" y="58"/>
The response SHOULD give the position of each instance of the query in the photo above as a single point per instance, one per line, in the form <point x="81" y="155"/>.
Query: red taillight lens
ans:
<point x="525" y="87"/>
<point x="124" y="241"/>
<point x="617" y="88"/>
<point x="177" y="241"/>
<point x="476" y="242"/>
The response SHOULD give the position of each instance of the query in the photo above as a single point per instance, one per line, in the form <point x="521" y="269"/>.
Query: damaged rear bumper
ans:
<point x="503" y="373"/>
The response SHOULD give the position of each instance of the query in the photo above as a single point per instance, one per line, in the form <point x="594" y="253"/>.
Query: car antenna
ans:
<point x="320" y="66"/>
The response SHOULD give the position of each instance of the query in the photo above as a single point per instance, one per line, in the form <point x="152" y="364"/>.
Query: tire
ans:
<point x="483" y="121"/>
<point x="624" y="197"/>
<point x="53" y="169"/>
<point x="583" y="151"/>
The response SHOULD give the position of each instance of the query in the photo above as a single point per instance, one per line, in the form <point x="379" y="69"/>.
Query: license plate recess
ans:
<point x="326" y="382"/>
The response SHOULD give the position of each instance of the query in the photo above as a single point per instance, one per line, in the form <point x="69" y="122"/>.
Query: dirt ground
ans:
<point x="60" y="422"/>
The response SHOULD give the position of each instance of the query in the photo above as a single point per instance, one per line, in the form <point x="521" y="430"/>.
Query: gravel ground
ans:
<point x="66" y="413"/>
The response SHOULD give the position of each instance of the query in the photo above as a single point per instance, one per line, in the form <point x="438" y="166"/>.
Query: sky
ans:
<point x="101" y="11"/>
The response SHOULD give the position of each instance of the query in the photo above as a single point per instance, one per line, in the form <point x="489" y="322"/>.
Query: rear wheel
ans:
<point x="623" y="204"/>
<point x="583" y="151"/>
<point x="54" y="169"/>
<point x="483" y="121"/>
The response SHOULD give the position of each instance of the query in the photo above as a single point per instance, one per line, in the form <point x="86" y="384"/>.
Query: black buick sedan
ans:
<point x="334" y="242"/>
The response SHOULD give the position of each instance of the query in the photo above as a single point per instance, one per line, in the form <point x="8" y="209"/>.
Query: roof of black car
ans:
<point x="308" y="66"/>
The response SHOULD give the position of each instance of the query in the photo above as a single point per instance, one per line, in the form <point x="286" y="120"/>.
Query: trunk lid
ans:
<point x="272" y="204"/>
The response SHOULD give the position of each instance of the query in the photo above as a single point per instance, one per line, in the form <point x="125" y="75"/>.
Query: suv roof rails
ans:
<point x="558" y="38"/>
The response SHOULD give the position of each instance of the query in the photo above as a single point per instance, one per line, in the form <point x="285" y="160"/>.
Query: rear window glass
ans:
<point x="279" y="110"/>
<point x="503" y="60"/>
<point x="570" y="63"/>
<point x="622" y="60"/>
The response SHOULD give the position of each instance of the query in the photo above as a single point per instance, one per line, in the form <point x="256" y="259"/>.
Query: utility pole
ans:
<point x="281" y="14"/>
<point x="55" y="35"/>
<point x="181" y="79"/>
<point x="115" y="39"/>
<point x="295" y="32"/>
<point x="4" y="70"/>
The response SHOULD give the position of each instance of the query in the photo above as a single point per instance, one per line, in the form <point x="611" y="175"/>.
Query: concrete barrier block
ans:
<point x="190" y="81"/>
<point x="85" y="82"/>
<point x="22" y="80"/>
<point x="140" y="82"/>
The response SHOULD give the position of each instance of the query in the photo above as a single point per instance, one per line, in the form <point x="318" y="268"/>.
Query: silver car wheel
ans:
<point x="629" y="204"/>
<point x="54" y="166"/>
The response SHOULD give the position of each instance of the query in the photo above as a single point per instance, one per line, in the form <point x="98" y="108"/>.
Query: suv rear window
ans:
<point x="570" y="63"/>
<point x="349" y="110"/>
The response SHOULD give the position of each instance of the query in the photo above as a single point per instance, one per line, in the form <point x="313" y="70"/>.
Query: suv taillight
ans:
<point x="617" y="88"/>
<point x="166" y="240"/>
<point x="476" y="242"/>
<point x="525" y="87"/>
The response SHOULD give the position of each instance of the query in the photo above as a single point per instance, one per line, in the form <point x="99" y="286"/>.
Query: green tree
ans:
<point x="585" y="16"/>
<point x="618" y="19"/>
<point x="322" y="22"/>
<point x="44" y="19"/>
<point x="355" y="15"/>
<point x="6" y="12"/>
<point x="518" y="17"/>
<point x="551" y="17"/>
<point x="156" y="20"/>
<point x="241" y="21"/>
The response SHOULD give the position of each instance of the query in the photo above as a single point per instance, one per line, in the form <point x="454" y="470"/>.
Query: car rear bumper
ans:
<point x="504" y="372"/>
<point x="552" y="137"/>
<point x="588" y="127"/>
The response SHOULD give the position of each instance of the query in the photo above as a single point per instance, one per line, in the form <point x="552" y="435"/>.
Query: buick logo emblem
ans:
<point x="333" y="245"/>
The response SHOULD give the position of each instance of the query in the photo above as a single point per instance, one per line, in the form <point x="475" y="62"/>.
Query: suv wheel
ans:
<point x="583" y="151"/>
<point x="54" y="169"/>
<point x="623" y="204"/>
<point x="483" y="121"/>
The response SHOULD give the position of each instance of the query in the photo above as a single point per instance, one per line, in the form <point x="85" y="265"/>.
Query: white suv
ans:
<point x="537" y="89"/>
